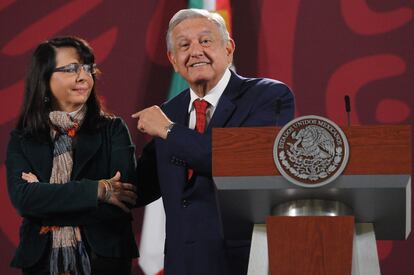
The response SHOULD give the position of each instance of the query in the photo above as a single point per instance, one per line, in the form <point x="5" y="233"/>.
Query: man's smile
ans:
<point x="198" y="64"/>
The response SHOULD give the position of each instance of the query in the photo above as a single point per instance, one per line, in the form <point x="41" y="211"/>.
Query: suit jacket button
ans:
<point x="185" y="203"/>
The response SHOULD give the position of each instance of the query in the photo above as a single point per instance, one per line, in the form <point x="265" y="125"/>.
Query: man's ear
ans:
<point x="230" y="47"/>
<point x="173" y="61"/>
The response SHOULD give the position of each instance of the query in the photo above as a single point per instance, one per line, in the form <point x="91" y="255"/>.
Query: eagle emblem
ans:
<point x="311" y="151"/>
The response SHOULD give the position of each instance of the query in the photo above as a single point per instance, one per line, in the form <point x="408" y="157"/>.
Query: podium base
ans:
<point x="364" y="257"/>
<point x="259" y="258"/>
<point x="364" y="254"/>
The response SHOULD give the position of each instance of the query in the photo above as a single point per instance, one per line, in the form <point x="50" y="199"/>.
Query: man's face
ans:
<point x="198" y="52"/>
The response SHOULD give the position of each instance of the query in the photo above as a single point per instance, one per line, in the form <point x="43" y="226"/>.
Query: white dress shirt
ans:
<point x="212" y="97"/>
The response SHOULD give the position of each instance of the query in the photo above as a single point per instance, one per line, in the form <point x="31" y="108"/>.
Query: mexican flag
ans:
<point x="153" y="229"/>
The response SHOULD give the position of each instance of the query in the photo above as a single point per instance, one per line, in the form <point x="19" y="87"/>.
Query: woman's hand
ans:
<point x="114" y="192"/>
<point x="29" y="177"/>
<point x="111" y="191"/>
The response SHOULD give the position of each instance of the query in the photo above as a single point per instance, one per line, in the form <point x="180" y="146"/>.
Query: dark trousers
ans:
<point x="109" y="266"/>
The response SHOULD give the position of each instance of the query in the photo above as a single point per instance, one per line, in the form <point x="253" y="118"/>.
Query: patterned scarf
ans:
<point x="68" y="253"/>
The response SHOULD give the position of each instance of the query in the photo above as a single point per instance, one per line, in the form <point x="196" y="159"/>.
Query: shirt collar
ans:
<point x="212" y="96"/>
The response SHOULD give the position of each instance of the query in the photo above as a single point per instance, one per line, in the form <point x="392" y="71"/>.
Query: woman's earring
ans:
<point x="47" y="99"/>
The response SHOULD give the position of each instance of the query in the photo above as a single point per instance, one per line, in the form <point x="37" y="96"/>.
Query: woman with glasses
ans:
<point x="70" y="169"/>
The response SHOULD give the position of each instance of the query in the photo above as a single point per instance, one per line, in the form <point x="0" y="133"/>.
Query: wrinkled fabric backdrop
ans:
<point x="323" y="49"/>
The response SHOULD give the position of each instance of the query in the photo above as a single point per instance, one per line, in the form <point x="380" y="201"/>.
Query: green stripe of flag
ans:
<point x="178" y="84"/>
<point x="196" y="4"/>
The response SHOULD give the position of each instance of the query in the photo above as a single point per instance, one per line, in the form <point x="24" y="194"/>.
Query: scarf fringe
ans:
<point x="67" y="258"/>
<point x="63" y="260"/>
<point x="84" y="259"/>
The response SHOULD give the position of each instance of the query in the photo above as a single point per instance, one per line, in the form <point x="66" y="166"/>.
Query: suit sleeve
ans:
<point x="256" y="107"/>
<point x="192" y="147"/>
<point x="148" y="188"/>
<point x="43" y="199"/>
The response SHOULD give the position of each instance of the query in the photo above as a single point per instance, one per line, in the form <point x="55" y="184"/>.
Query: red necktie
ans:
<point x="200" y="107"/>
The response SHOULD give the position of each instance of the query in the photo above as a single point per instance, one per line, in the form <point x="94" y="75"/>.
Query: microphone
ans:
<point x="278" y="110"/>
<point x="348" y="109"/>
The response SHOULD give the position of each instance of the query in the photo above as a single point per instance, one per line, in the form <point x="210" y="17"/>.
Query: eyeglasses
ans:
<point x="76" y="67"/>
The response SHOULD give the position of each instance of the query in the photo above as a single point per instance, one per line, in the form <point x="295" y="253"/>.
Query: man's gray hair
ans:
<point x="196" y="13"/>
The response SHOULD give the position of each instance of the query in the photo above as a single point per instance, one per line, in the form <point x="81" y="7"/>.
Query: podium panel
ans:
<point x="376" y="184"/>
<point x="310" y="245"/>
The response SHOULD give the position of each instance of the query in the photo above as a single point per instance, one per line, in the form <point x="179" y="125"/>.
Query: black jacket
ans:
<point x="105" y="228"/>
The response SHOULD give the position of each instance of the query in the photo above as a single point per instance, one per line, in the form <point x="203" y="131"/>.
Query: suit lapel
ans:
<point x="223" y="112"/>
<point x="40" y="156"/>
<point x="224" y="109"/>
<point x="179" y="113"/>
<point x="226" y="105"/>
<point x="86" y="146"/>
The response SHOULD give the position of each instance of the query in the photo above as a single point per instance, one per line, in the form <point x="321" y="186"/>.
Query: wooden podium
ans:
<point x="375" y="185"/>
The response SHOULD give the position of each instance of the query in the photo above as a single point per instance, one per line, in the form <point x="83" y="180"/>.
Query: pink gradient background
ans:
<point x="323" y="49"/>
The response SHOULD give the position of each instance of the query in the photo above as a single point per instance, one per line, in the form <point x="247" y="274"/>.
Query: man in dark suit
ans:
<point x="177" y="162"/>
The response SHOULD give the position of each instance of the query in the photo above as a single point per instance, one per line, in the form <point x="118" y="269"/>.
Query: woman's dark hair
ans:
<point x="34" y="116"/>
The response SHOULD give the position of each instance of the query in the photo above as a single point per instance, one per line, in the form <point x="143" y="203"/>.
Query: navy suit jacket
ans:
<point x="194" y="242"/>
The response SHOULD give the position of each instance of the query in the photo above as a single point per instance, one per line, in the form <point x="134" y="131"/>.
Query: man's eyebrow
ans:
<point x="205" y="32"/>
<point x="181" y="36"/>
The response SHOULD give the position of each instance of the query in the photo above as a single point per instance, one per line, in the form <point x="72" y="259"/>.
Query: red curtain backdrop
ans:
<point x="323" y="49"/>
